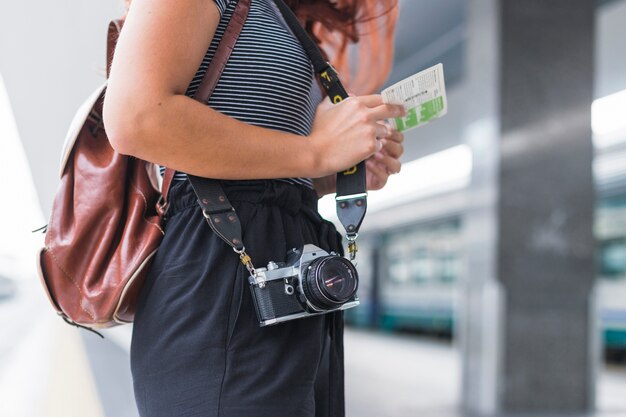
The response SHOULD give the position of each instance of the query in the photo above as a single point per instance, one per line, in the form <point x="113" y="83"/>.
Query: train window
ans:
<point x="612" y="258"/>
<point x="399" y="270"/>
<point x="424" y="254"/>
<point x="420" y="265"/>
<point x="449" y="264"/>
<point x="610" y="232"/>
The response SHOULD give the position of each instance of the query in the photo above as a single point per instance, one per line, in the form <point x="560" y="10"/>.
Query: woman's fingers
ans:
<point x="391" y="164"/>
<point x="378" y="109"/>
<point x="377" y="176"/>
<point x="372" y="100"/>
<point x="396" y="136"/>
<point x="393" y="142"/>
<point x="393" y="134"/>
<point x="386" y="111"/>
<point x="392" y="147"/>
<point x="389" y="156"/>
<point x="381" y="130"/>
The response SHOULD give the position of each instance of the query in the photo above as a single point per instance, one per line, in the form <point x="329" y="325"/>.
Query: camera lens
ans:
<point x="337" y="281"/>
<point x="330" y="282"/>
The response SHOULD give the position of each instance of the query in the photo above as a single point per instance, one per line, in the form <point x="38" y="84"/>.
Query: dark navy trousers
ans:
<point x="197" y="348"/>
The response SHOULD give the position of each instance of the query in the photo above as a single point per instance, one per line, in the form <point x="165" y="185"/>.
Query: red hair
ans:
<point x="356" y="35"/>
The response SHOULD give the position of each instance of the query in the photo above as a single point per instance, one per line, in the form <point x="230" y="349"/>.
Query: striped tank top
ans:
<point x="250" y="89"/>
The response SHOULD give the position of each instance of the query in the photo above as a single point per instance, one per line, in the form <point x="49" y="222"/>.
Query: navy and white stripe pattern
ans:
<point x="268" y="80"/>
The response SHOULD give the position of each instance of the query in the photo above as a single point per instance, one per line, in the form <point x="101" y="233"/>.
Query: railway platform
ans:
<point x="49" y="369"/>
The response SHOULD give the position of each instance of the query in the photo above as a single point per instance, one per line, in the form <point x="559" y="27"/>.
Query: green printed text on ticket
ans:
<point x="423" y="96"/>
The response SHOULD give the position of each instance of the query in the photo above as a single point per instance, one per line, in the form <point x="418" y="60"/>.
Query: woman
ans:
<point x="197" y="348"/>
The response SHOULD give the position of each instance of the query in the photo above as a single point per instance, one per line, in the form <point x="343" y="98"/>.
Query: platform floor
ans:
<point x="49" y="369"/>
<point x="397" y="375"/>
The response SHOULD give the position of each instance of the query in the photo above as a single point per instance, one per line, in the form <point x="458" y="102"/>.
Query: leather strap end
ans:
<point x="165" y="189"/>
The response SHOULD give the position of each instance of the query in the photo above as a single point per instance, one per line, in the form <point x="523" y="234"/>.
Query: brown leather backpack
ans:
<point x="107" y="218"/>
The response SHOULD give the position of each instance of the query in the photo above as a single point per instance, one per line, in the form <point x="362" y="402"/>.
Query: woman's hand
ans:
<point x="385" y="162"/>
<point x="352" y="131"/>
<point x="379" y="166"/>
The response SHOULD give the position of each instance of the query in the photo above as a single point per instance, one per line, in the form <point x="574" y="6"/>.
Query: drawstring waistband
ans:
<point x="291" y="197"/>
<point x="295" y="199"/>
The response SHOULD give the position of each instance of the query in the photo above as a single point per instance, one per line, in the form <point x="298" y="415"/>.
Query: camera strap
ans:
<point x="351" y="198"/>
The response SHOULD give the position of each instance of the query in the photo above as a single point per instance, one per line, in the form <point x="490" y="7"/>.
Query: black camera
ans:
<point x="310" y="282"/>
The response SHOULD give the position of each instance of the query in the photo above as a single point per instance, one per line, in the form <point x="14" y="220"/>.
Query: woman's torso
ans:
<point x="268" y="80"/>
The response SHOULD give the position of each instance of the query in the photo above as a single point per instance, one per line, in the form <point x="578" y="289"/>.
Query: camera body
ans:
<point x="310" y="282"/>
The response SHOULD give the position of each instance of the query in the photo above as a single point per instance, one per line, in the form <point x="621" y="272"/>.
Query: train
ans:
<point x="410" y="269"/>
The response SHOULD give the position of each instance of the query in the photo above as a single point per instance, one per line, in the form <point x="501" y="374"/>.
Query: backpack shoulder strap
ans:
<point x="214" y="71"/>
<point x="224" y="49"/>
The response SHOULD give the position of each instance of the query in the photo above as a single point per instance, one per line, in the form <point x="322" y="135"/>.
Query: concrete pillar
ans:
<point x="527" y="318"/>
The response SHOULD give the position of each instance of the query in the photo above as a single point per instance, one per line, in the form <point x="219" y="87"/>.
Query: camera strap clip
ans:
<point x="246" y="260"/>
<point x="351" y="208"/>
<point x="353" y="248"/>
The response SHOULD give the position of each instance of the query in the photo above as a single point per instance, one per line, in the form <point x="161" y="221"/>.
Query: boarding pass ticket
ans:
<point x="423" y="96"/>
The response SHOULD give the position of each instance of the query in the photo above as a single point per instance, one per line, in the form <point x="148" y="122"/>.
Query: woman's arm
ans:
<point x="147" y="114"/>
